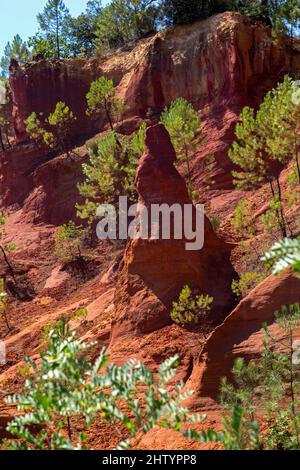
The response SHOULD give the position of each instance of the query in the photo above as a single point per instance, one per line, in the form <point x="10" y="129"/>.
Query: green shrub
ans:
<point x="210" y="167"/>
<point x="242" y="221"/>
<point x="215" y="222"/>
<point x="58" y="326"/>
<point x="264" y="390"/>
<point x="266" y="140"/>
<point x="81" y="314"/>
<point x="56" y="132"/>
<point x="246" y="283"/>
<point x="101" y="98"/>
<point x="268" y="389"/>
<point x="191" y="308"/>
<point x="68" y="242"/>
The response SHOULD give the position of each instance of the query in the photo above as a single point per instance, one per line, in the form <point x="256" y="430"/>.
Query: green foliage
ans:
<point x="34" y="128"/>
<point x="292" y="194"/>
<point x="110" y="172"/>
<point x="185" y="11"/>
<point x="61" y="121"/>
<point x="215" y="223"/>
<point x="248" y="153"/>
<point x="65" y="386"/>
<point x="181" y="11"/>
<point x="24" y="370"/>
<point x="5" y="126"/>
<point x="123" y="21"/>
<point x="242" y="221"/>
<point x="235" y="434"/>
<point x="69" y="241"/>
<point x="17" y="50"/>
<point x="57" y="132"/>
<point x="269" y="218"/>
<point x="264" y="142"/>
<point x="183" y="124"/>
<point x="53" y="23"/>
<point x="191" y="308"/>
<point x="82" y="35"/>
<point x="284" y="15"/>
<point x="79" y="314"/>
<point x="41" y="47"/>
<point x="282" y="255"/>
<point x="246" y="283"/>
<point x="7" y="246"/>
<point x="101" y="98"/>
<point x="59" y="327"/>
<point x="269" y="388"/>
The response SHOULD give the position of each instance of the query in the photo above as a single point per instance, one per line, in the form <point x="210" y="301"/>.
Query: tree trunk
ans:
<point x="188" y="170"/>
<point x="69" y="428"/>
<point x="278" y="214"/>
<point x="1" y="142"/>
<point x="11" y="270"/>
<point x="57" y="34"/>
<point x="281" y="210"/>
<point x="7" y="139"/>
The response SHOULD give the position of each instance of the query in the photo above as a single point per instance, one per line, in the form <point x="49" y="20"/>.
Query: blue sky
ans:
<point x="19" y="16"/>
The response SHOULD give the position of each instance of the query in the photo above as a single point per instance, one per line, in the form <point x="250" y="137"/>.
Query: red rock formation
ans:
<point x="155" y="271"/>
<point x="219" y="64"/>
<point x="46" y="190"/>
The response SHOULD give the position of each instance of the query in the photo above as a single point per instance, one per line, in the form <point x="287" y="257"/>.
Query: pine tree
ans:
<point x="53" y="22"/>
<point x="101" y="98"/>
<point x="16" y="50"/>
<point x="183" y="124"/>
<point x="110" y="172"/>
<point x="123" y="21"/>
<point x="56" y="132"/>
<point x="263" y="146"/>
<point x="268" y="389"/>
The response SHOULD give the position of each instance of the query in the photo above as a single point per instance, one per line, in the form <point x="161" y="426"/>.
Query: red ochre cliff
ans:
<point x="220" y="65"/>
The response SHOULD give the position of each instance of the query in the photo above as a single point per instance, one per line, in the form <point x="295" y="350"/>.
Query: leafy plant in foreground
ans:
<point x="282" y="255"/>
<point x="65" y="387"/>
